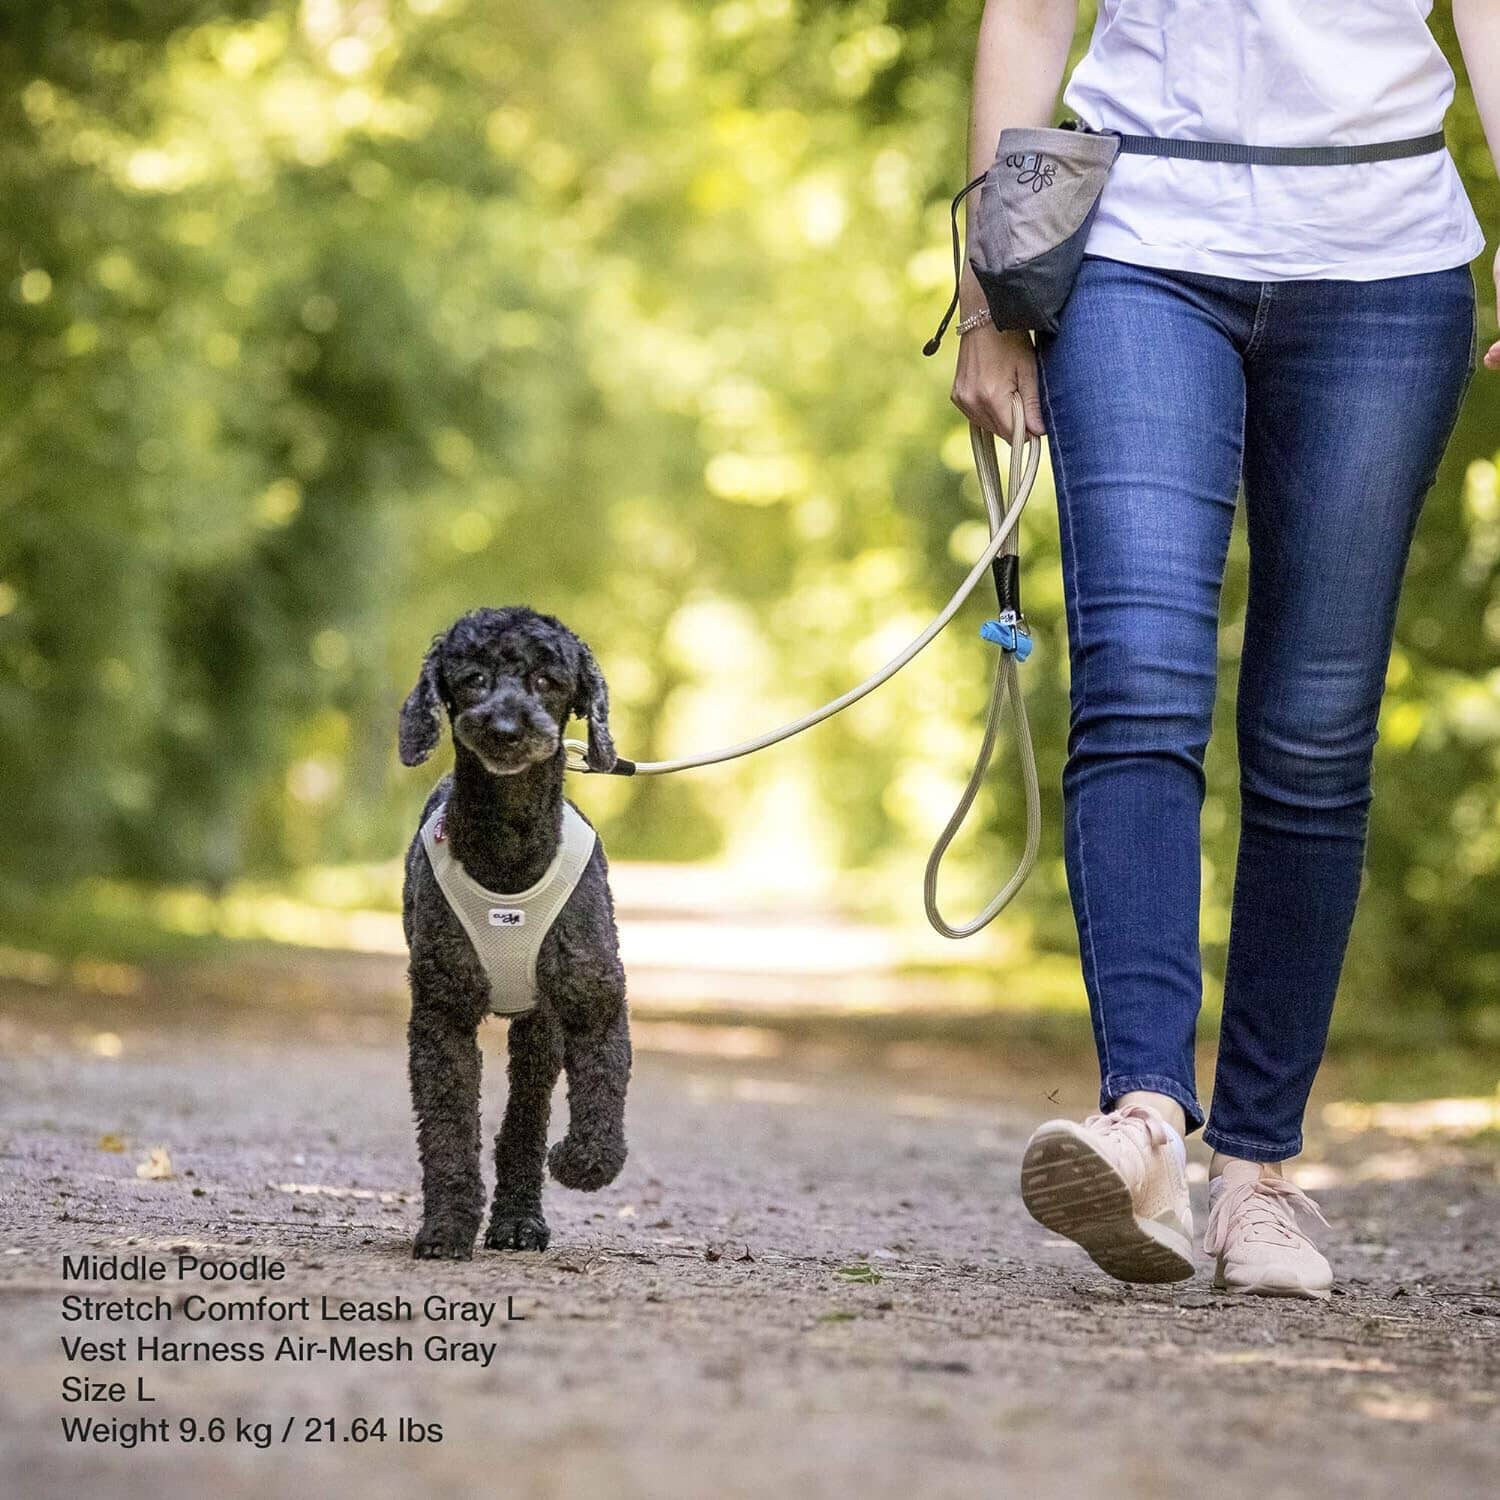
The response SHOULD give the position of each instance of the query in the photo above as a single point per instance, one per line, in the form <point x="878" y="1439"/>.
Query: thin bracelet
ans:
<point x="973" y="321"/>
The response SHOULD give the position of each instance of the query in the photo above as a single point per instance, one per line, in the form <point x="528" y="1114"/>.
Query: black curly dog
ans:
<point x="510" y="679"/>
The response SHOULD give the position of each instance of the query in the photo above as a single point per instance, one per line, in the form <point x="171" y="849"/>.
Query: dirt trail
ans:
<point x="707" y="1327"/>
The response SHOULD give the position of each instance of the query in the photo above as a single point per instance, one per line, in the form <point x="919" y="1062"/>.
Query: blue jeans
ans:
<point x="1332" y="401"/>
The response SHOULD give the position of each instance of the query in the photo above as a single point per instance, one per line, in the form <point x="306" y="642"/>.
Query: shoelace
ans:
<point x="1127" y="1124"/>
<point x="1269" y="1204"/>
<point x="1124" y="1122"/>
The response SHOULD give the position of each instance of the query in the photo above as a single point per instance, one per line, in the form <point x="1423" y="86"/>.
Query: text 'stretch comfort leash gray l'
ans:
<point x="1038" y="198"/>
<point x="1007" y="630"/>
<point x="507" y="928"/>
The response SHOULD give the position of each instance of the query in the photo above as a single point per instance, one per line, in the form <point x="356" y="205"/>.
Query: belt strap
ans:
<point x="1280" y="156"/>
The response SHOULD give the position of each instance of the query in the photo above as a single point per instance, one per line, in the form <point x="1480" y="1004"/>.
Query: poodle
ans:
<point x="509" y="680"/>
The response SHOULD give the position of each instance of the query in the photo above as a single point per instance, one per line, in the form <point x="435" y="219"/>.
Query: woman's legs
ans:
<point x="1345" y="394"/>
<point x="1352" y="391"/>
<point x="1143" y="391"/>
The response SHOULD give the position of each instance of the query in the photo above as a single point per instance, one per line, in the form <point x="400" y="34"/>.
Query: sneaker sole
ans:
<point x="1069" y="1188"/>
<point x="1267" y="1288"/>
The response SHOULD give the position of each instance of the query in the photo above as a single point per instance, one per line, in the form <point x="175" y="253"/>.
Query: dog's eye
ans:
<point x="473" y="682"/>
<point x="542" y="683"/>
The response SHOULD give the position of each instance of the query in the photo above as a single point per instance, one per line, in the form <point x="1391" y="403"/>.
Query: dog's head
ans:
<point x="509" y="679"/>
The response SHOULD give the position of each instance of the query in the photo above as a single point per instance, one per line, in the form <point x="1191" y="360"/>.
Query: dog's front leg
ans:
<point x="444" y="1062"/>
<point x="597" y="1060"/>
<point x="536" y="1056"/>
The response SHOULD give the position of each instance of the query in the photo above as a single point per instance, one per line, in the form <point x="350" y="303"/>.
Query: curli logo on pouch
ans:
<point x="506" y="916"/>
<point x="1033" y="168"/>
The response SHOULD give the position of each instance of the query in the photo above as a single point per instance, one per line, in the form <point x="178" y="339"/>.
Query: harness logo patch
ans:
<point x="506" y="916"/>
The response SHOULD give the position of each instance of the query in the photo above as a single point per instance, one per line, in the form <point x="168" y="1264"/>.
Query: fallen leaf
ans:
<point x="157" y="1166"/>
<point x="112" y="1142"/>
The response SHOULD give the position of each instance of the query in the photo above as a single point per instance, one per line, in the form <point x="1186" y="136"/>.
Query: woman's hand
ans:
<point x="1492" y="354"/>
<point x="991" y="366"/>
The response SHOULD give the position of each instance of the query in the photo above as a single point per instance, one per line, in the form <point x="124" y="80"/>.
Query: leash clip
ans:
<point x="1009" y="633"/>
<point x="575" y="756"/>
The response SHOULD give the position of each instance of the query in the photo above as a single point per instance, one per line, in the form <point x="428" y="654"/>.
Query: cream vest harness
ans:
<point x="507" y="930"/>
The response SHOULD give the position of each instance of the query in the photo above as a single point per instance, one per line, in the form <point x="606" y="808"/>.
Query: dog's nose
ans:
<point x="505" y="731"/>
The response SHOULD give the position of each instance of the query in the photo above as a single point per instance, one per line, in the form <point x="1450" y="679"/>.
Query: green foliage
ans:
<point x="321" y="323"/>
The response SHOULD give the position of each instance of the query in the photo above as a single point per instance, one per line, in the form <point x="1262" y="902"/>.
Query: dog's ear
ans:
<point x="592" y="705"/>
<point x="422" y="713"/>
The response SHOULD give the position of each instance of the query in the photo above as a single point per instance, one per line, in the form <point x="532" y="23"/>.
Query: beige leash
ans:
<point x="1005" y="690"/>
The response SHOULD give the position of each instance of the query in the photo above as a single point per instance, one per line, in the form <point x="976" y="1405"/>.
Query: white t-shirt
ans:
<point x="1274" y="73"/>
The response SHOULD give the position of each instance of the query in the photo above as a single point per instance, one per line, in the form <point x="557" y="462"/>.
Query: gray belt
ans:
<point x="1278" y="156"/>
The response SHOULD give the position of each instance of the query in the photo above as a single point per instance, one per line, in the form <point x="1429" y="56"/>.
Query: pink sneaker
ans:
<point x="1261" y="1249"/>
<point x="1117" y="1186"/>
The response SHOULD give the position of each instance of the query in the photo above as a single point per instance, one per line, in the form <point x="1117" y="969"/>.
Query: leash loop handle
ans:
<point x="1005" y="689"/>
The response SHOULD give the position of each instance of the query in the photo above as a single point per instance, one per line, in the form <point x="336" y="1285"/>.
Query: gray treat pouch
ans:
<point x="1038" y="199"/>
<point x="1036" y="203"/>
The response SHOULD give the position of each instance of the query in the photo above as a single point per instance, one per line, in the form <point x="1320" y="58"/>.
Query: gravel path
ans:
<point x="813" y="1279"/>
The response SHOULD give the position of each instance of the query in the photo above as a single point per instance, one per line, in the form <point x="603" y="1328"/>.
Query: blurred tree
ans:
<point x="322" y="322"/>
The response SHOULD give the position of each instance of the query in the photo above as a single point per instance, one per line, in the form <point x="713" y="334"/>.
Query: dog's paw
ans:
<point x="443" y="1241"/>
<point x="526" y="1232"/>
<point x="586" y="1165"/>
